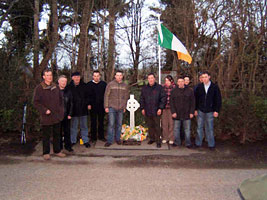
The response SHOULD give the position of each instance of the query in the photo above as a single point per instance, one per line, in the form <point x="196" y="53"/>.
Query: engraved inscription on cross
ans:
<point x="132" y="106"/>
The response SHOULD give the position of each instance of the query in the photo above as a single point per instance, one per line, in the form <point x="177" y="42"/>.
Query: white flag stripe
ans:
<point x="160" y="33"/>
<point x="178" y="46"/>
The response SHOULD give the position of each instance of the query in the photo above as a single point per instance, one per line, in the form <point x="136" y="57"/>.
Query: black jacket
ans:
<point x="152" y="98"/>
<point x="210" y="102"/>
<point x="68" y="102"/>
<point x="98" y="91"/>
<point x="81" y="98"/>
<point x="182" y="102"/>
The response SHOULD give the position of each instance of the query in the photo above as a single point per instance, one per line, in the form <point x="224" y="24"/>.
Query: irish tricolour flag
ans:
<point x="169" y="41"/>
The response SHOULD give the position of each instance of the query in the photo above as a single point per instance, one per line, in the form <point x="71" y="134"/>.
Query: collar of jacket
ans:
<point x="48" y="87"/>
<point x="152" y="86"/>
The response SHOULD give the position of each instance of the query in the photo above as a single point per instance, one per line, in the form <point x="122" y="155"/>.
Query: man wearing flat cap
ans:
<point x="81" y="104"/>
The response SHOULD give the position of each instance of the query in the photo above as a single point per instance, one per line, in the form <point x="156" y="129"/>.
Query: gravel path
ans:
<point x="101" y="174"/>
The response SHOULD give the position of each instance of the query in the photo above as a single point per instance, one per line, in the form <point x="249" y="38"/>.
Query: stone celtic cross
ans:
<point x="132" y="106"/>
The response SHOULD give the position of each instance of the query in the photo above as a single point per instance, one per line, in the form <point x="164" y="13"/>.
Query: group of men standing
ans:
<point x="64" y="108"/>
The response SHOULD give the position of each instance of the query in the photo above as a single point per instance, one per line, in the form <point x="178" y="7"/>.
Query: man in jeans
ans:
<point x="182" y="103"/>
<point x="49" y="102"/>
<point x="81" y="104"/>
<point x="115" y="101"/>
<point x="208" y="105"/>
<point x="152" y="101"/>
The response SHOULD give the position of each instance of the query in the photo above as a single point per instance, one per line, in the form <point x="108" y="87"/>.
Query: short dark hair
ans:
<point x="46" y="70"/>
<point x="205" y="72"/>
<point x="187" y="76"/>
<point x="75" y="74"/>
<point x="151" y="74"/>
<point x="118" y="71"/>
<point x="96" y="71"/>
<point x="180" y="77"/>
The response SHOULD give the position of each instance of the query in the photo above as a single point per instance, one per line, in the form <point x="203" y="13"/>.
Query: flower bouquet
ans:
<point x="139" y="133"/>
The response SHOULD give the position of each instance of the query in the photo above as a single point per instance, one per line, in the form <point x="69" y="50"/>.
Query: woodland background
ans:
<point x="226" y="37"/>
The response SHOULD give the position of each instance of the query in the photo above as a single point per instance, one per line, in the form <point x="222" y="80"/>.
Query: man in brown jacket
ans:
<point x="49" y="102"/>
<point x="182" y="103"/>
<point x="115" y="101"/>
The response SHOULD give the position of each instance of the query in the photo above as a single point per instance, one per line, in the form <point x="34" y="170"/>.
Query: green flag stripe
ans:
<point x="167" y="38"/>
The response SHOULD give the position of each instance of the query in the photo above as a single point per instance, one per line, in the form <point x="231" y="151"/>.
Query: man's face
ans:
<point x="186" y="80"/>
<point x="200" y="79"/>
<point x="76" y="79"/>
<point x="180" y="83"/>
<point x="151" y="80"/>
<point x="62" y="82"/>
<point x="205" y="78"/>
<point x="48" y="77"/>
<point x="96" y="77"/>
<point x="118" y="77"/>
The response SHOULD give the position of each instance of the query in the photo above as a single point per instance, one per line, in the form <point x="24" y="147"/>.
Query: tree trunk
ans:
<point x="36" y="69"/>
<point x="54" y="36"/>
<point x="111" y="43"/>
<point x="86" y="18"/>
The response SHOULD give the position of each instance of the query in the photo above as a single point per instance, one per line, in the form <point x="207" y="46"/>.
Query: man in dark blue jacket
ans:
<point x="208" y="105"/>
<point x="152" y="101"/>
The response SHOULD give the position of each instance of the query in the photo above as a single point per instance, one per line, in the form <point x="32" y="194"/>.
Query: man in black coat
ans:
<point x="97" y="112"/>
<point x="152" y="101"/>
<point x="182" y="103"/>
<point x="208" y="105"/>
<point x="81" y="104"/>
<point x="68" y="111"/>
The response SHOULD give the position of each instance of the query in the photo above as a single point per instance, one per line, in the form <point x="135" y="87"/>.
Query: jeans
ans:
<point x="177" y="131"/>
<point x="83" y="127"/>
<point x="47" y="130"/>
<point x="205" y="119"/>
<point x="114" y="124"/>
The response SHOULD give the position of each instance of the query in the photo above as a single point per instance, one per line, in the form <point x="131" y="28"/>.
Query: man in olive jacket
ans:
<point x="49" y="102"/>
<point x="115" y="101"/>
<point x="152" y="101"/>
<point x="182" y="104"/>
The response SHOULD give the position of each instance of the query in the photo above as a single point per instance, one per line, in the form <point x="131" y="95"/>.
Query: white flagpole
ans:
<point x="159" y="52"/>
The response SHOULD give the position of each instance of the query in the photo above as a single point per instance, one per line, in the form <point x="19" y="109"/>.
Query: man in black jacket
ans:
<point x="152" y="101"/>
<point x="68" y="110"/>
<point x="208" y="105"/>
<point x="81" y="104"/>
<point x="97" y="112"/>
<point x="182" y="104"/>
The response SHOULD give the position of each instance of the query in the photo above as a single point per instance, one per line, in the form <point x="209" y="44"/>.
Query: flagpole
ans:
<point x="159" y="52"/>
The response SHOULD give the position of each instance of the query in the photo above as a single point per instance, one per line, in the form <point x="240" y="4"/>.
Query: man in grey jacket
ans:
<point x="115" y="101"/>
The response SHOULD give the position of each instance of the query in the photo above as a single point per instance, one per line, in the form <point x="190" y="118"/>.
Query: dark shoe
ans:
<point x="158" y="145"/>
<point x="118" y="142"/>
<point x="93" y="141"/>
<point x="72" y="144"/>
<point x="87" y="145"/>
<point x="69" y="149"/>
<point x="150" y="142"/>
<point x="103" y="139"/>
<point x="196" y="146"/>
<point x="175" y="145"/>
<point x="212" y="148"/>
<point x="189" y="146"/>
<point x="107" y="144"/>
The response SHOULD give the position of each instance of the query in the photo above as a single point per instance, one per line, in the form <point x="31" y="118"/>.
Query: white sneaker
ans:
<point x="170" y="142"/>
<point x="164" y="141"/>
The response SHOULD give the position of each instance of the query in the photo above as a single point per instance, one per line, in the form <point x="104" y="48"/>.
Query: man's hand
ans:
<point x="69" y="117"/>
<point x="48" y="112"/>
<point x="124" y="110"/>
<point x="106" y="110"/>
<point x="159" y="112"/>
<point x="89" y="107"/>
<point x="174" y="115"/>
<point x="143" y="112"/>
<point x="191" y="116"/>
<point x="195" y="112"/>
<point x="215" y="114"/>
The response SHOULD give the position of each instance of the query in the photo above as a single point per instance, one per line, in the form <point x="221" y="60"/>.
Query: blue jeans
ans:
<point x="83" y="127"/>
<point x="205" y="119"/>
<point x="114" y="124"/>
<point x="176" y="131"/>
